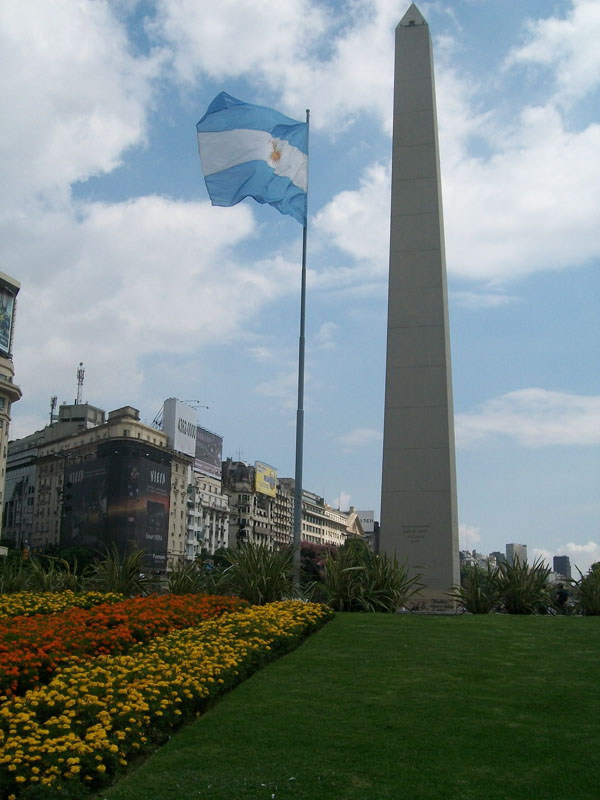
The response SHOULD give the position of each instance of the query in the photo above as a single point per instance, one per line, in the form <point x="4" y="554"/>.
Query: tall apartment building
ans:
<point x="514" y="551"/>
<point x="84" y="481"/>
<point x="562" y="566"/>
<point x="258" y="517"/>
<point x="266" y="516"/>
<point x="208" y="516"/>
<point x="9" y="391"/>
<point x="322" y="524"/>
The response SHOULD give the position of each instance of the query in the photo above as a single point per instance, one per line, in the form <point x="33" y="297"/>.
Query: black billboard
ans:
<point x="209" y="449"/>
<point x="121" y="496"/>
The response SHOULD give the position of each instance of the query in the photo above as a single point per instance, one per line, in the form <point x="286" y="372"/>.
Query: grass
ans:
<point x="403" y="707"/>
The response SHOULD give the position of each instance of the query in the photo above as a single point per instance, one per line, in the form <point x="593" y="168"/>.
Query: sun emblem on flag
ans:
<point x="275" y="154"/>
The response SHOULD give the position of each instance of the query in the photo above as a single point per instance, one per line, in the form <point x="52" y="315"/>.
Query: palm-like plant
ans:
<point x="119" y="572"/>
<point x="522" y="588"/>
<point x="258" y="574"/>
<point x="53" y="575"/>
<point x="479" y="592"/>
<point x="587" y="592"/>
<point x="357" y="579"/>
<point x="14" y="574"/>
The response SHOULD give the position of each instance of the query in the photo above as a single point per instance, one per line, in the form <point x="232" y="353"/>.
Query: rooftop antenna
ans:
<point x="194" y="403"/>
<point x="80" y="376"/>
<point x="53" y="401"/>
<point x="158" y="419"/>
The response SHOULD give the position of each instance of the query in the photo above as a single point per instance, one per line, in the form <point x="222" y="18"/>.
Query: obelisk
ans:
<point x="418" y="496"/>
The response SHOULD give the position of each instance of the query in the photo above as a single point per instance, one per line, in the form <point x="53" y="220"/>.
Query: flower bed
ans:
<point x="95" y="715"/>
<point x="29" y="603"/>
<point x="32" y="648"/>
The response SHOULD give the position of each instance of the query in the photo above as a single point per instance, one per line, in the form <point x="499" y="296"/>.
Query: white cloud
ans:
<point x="533" y="205"/>
<point x="342" y="501"/>
<point x="339" y="64"/>
<point x="359" y="438"/>
<point x="261" y="353"/>
<point x="127" y="280"/>
<point x="325" y="336"/>
<point x="358" y="221"/>
<point x="469" y="536"/>
<point x="482" y="299"/>
<point x="582" y="556"/>
<point x="283" y="387"/>
<point x="568" y="47"/>
<point x="533" y="418"/>
<point x="77" y="97"/>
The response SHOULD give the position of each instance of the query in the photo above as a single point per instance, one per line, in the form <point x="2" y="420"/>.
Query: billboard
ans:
<point x="139" y="495"/>
<point x="121" y="496"/>
<point x="85" y="504"/>
<point x="7" y="311"/>
<point x="209" y="453"/>
<point x="179" y="423"/>
<point x="265" y="479"/>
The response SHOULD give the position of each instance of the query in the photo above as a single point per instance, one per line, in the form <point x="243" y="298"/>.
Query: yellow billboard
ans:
<point x="266" y="479"/>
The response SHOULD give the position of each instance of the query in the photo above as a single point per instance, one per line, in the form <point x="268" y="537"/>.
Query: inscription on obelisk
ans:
<point x="418" y="497"/>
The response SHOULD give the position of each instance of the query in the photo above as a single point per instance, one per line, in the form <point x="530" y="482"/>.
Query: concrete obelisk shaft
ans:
<point x="418" y="500"/>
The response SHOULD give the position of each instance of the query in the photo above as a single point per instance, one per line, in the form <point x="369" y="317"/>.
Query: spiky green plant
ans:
<point x="49" y="574"/>
<point x="478" y="592"/>
<point x="14" y="574"/>
<point x="522" y="589"/>
<point x="587" y="592"/>
<point x="119" y="572"/>
<point x="191" y="578"/>
<point x="357" y="579"/>
<point x="258" y="574"/>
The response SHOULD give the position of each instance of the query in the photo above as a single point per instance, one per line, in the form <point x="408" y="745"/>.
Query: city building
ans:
<point x="262" y="509"/>
<point x="208" y="516"/>
<point x="261" y="506"/>
<point x="85" y="481"/>
<point x="516" y="551"/>
<point x="322" y="524"/>
<point x="9" y="391"/>
<point x="562" y="566"/>
<point x="370" y="528"/>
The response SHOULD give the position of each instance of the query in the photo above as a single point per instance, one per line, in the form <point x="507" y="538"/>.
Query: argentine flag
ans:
<point x="254" y="151"/>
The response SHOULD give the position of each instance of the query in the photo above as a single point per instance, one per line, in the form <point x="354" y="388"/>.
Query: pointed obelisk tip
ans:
<point x="412" y="17"/>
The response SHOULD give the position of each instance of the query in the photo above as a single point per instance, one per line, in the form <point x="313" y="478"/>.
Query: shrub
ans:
<point x="479" y="592"/>
<point x="587" y="592"/>
<point x="53" y="575"/>
<point x="258" y="574"/>
<point x="357" y="579"/>
<point x="117" y="572"/>
<point x="522" y="588"/>
<point x="14" y="575"/>
<point x="186" y="578"/>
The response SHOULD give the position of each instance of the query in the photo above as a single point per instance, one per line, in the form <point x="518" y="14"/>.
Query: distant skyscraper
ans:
<point x="562" y="566"/>
<point x="418" y="495"/>
<point x="516" y="551"/>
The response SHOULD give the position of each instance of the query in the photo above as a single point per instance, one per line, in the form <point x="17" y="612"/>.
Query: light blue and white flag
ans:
<point x="254" y="151"/>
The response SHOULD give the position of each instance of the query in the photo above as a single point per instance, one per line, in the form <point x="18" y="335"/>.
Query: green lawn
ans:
<point x="403" y="707"/>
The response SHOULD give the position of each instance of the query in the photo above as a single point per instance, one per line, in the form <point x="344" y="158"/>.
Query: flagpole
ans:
<point x="300" y="412"/>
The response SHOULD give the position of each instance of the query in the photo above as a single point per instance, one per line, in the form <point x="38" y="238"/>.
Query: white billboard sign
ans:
<point x="179" y="423"/>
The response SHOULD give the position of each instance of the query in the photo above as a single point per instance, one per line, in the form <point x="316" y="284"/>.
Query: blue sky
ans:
<point x="125" y="266"/>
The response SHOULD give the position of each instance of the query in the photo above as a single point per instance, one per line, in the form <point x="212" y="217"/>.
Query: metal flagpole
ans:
<point x="300" y="411"/>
